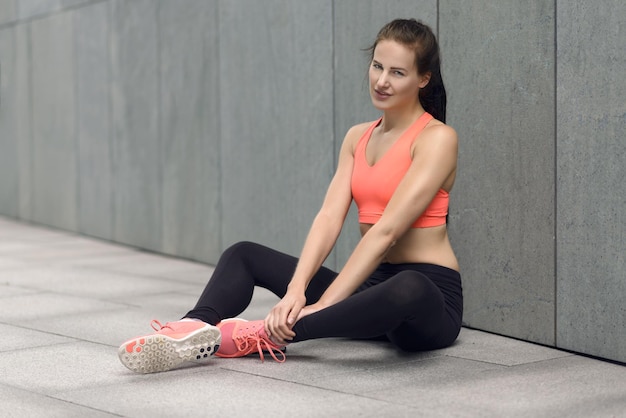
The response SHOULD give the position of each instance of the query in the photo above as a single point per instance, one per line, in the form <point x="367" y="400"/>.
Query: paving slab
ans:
<point x="18" y="338"/>
<point x="45" y="305"/>
<point x="213" y="391"/>
<point x="154" y="265"/>
<point x="10" y="263"/>
<point x="396" y="376"/>
<point x="58" y="252"/>
<point x="19" y="403"/>
<point x="15" y="248"/>
<point x="60" y="367"/>
<point x="111" y="327"/>
<point x="10" y="291"/>
<point x="490" y="348"/>
<point x="164" y="306"/>
<point x="21" y="232"/>
<point x="102" y="259"/>
<point x="86" y="282"/>
<point x="570" y="386"/>
<point x="319" y="359"/>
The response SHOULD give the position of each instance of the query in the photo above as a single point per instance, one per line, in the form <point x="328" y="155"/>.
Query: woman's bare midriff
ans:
<point x="421" y="245"/>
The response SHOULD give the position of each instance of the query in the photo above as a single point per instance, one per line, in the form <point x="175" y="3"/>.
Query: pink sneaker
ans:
<point x="172" y="345"/>
<point x="246" y="337"/>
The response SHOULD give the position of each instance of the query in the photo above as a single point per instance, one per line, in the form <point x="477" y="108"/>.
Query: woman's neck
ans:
<point x="400" y="119"/>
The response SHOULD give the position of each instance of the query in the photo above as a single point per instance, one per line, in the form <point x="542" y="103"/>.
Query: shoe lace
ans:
<point x="244" y="342"/>
<point x="157" y="326"/>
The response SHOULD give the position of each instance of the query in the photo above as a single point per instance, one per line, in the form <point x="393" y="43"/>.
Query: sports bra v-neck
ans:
<point x="373" y="185"/>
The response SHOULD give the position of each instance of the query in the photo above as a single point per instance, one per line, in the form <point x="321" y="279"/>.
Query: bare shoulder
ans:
<point x="440" y="134"/>
<point x="355" y="133"/>
<point x="359" y="129"/>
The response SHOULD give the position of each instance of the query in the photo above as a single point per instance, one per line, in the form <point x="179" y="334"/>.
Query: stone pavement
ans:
<point x="68" y="301"/>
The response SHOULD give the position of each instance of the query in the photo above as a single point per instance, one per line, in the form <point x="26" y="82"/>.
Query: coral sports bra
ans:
<point x="373" y="186"/>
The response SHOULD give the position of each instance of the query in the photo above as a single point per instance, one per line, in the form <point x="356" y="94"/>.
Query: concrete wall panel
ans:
<point x="95" y="191"/>
<point x="9" y="163"/>
<point x="23" y="121"/>
<point x="498" y="64"/>
<point x="8" y="11"/>
<point x="591" y="193"/>
<point x="356" y="25"/>
<point x="189" y="126"/>
<point x="54" y="122"/>
<point x="276" y="118"/>
<point x="135" y="113"/>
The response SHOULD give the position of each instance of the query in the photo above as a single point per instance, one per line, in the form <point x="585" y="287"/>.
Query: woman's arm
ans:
<point x="321" y="238"/>
<point x="329" y="220"/>
<point x="434" y="161"/>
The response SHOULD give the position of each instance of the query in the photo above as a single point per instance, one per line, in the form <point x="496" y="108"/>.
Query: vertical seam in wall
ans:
<point x="111" y="129"/>
<point x="31" y="119"/>
<point x="220" y="174"/>
<point x="18" y="151"/>
<point x="334" y="97"/>
<point x="77" y="155"/>
<point x="438" y="33"/>
<point x="160" y="201"/>
<point x="334" y="89"/>
<point x="556" y="177"/>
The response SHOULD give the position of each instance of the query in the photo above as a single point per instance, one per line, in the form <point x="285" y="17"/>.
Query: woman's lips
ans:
<point x="381" y="95"/>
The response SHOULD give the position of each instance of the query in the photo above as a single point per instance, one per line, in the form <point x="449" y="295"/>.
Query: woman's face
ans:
<point x="394" y="81"/>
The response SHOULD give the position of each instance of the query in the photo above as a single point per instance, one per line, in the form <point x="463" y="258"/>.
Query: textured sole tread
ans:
<point x="159" y="353"/>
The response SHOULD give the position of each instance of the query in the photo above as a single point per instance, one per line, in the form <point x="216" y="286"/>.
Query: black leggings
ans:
<point x="415" y="306"/>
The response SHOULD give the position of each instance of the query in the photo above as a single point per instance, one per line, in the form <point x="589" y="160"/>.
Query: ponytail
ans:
<point x="433" y="97"/>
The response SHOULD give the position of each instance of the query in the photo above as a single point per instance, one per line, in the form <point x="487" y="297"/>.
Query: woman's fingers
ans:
<point x="275" y="324"/>
<point x="281" y="329"/>
<point x="294" y="313"/>
<point x="283" y="316"/>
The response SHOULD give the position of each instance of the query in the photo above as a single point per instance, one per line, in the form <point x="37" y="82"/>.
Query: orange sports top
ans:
<point x="373" y="186"/>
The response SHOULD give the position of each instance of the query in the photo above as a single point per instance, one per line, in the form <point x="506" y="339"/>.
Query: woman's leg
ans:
<point x="409" y="308"/>
<point x="229" y="291"/>
<point x="244" y="266"/>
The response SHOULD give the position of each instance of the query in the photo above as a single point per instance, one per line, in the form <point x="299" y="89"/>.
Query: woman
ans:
<point x="401" y="282"/>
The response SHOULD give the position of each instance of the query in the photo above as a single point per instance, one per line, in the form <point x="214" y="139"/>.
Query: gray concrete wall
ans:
<point x="499" y="67"/>
<point x="276" y="113"/>
<point x="590" y="168"/>
<point x="184" y="129"/>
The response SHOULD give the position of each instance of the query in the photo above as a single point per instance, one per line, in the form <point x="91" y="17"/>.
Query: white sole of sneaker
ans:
<point x="159" y="353"/>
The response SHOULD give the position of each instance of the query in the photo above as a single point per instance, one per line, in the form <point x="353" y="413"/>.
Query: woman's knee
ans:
<point x="241" y="249"/>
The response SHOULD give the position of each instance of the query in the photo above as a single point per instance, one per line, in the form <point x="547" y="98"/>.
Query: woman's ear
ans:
<point x="424" y="79"/>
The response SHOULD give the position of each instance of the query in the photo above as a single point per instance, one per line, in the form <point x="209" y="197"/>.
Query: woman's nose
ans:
<point x="382" y="79"/>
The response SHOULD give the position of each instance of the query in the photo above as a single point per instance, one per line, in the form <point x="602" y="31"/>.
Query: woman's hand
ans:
<point x="283" y="316"/>
<point x="308" y="310"/>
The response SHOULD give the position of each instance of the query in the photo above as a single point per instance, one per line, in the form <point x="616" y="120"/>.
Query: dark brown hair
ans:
<point x="420" y="38"/>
